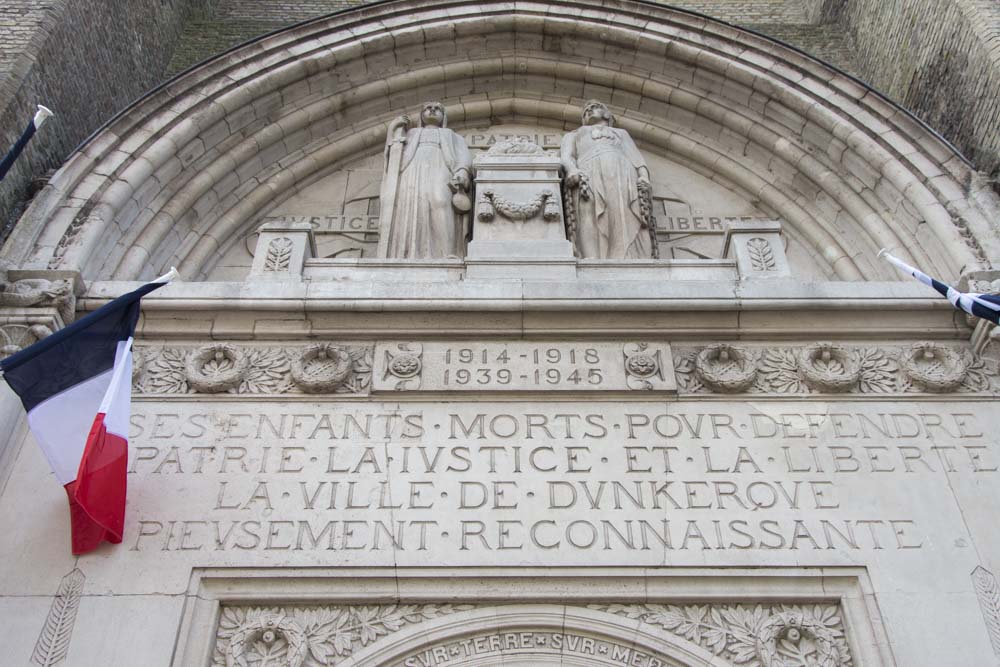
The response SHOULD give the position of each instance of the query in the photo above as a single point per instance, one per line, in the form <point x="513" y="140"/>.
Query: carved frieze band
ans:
<point x="752" y="635"/>
<point x="223" y="368"/>
<point x="924" y="367"/>
<point x="721" y="368"/>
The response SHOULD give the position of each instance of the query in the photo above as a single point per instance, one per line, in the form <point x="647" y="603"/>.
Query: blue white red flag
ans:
<point x="41" y="115"/>
<point x="986" y="306"/>
<point x="77" y="388"/>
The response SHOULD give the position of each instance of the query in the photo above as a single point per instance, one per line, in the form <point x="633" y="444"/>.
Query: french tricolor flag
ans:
<point x="77" y="388"/>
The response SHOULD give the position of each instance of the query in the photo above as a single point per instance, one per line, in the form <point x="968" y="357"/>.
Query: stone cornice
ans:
<point x="778" y="309"/>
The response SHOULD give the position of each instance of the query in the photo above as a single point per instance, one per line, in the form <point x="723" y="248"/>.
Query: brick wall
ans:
<point x="938" y="58"/>
<point x="231" y="22"/>
<point x="86" y="60"/>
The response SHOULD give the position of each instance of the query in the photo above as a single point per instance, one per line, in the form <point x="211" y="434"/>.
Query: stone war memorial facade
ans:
<point x="516" y="333"/>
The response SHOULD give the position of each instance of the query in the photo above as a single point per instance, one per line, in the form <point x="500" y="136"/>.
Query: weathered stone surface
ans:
<point x="745" y="452"/>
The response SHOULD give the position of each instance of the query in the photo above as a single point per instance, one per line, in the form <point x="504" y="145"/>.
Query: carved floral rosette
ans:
<point x="252" y="369"/>
<point x="833" y="368"/>
<point x="404" y="363"/>
<point x="642" y="364"/>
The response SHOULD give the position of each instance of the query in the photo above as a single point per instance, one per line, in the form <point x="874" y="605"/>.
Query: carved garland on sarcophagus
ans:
<point x="833" y="369"/>
<point x="222" y="368"/>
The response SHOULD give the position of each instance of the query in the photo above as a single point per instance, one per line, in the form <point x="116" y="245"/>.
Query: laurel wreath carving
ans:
<point x="935" y="368"/>
<point x="725" y="368"/>
<point x="988" y="593"/>
<point x="761" y="255"/>
<point x="830" y="368"/>
<point x="279" y="254"/>
<point x="321" y="368"/>
<point x="252" y="370"/>
<point x="53" y="642"/>
<point x="216" y="368"/>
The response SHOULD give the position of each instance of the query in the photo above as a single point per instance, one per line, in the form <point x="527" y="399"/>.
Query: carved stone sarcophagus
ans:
<point x="518" y="214"/>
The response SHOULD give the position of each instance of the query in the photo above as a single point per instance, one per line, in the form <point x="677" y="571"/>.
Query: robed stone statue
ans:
<point x="424" y="196"/>
<point x="608" y="189"/>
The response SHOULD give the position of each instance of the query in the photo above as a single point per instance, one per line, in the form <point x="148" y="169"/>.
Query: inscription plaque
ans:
<point x="524" y="366"/>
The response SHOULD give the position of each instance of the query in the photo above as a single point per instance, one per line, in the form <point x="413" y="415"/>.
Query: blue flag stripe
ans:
<point x="71" y="355"/>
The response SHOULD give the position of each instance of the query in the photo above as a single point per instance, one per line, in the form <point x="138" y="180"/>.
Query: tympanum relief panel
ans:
<point x="691" y="209"/>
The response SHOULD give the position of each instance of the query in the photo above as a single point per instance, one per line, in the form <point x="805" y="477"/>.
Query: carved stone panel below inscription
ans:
<point x="450" y="635"/>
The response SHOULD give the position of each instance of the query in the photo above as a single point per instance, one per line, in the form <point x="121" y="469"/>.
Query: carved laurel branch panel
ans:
<point x="743" y="634"/>
<point x="923" y="367"/>
<point x="223" y="368"/>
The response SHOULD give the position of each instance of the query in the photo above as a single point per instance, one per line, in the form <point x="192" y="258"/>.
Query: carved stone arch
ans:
<point x="612" y="630"/>
<point x="180" y="175"/>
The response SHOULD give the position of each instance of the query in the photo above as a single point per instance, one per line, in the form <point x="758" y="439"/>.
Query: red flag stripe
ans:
<point x="97" y="497"/>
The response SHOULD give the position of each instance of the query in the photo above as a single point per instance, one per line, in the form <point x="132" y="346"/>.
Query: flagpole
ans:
<point x="41" y="115"/>
<point x="167" y="277"/>
<point x="989" y="305"/>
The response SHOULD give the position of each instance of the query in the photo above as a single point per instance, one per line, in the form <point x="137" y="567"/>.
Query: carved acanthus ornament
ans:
<point x="40" y="292"/>
<point x="755" y="636"/>
<point x="743" y="634"/>
<point x="252" y="370"/>
<point x="311" y="636"/>
<point x="31" y="309"/>
<point x="16" y="337"/>
<point x="833" y="368"/>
